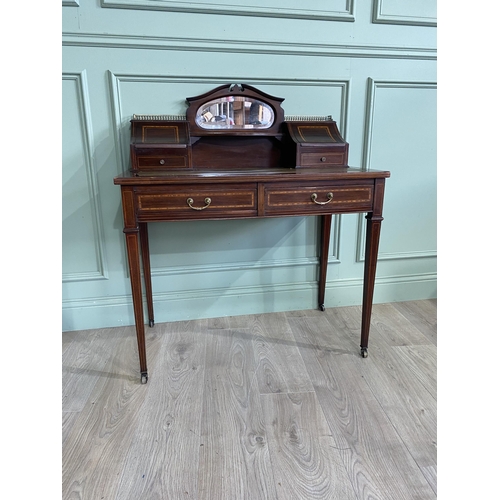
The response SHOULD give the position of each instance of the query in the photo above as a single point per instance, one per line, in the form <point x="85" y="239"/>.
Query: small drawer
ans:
<point x="164" y="158"/>
<point x="318" y="199"/>
<point x="175" y="160"/>
<point x="322" y="159"/>
<point x="193" y="202"/>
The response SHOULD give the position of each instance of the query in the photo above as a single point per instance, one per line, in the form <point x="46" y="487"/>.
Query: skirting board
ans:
<point x="117" y="311"/>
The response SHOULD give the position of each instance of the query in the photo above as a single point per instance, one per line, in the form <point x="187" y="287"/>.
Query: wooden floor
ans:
<point x="272" y="406"/>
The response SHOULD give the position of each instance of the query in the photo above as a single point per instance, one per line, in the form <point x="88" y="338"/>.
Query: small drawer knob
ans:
<point x="323" y="158"/>
<point x="162" y="162"/>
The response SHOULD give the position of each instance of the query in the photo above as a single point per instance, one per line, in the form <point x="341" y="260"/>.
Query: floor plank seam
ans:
<point x="200" y="429"/>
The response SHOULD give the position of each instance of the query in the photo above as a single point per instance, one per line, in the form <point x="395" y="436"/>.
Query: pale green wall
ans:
<point x="370" y="64"/>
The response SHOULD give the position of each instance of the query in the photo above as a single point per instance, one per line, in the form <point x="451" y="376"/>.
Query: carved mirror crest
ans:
<point x="239" y="109"/>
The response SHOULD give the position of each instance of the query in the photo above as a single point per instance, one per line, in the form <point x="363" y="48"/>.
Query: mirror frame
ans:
<point x="243" y="90"/>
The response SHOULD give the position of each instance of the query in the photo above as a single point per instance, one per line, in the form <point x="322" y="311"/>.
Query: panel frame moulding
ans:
<point x="223" y="8"/>
<point x="366" y="164"/>
<point x="379" y="17"/>
<point x="117" y="41"/>
<point x="80" y="79"/>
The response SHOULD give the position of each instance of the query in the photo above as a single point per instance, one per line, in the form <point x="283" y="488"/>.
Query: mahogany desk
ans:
<point x="236" y="156"/>
<point x="196" y="195"/>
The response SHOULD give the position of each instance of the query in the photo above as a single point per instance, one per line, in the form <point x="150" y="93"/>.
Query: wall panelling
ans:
<point x="140" y="56"/>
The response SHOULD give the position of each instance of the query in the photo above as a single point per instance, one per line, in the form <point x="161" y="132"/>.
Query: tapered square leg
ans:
<point x="373" y="226"/>
<point x="132" y="239"/>
<point x="146" y="268"/>
<point x="326" y="224"/>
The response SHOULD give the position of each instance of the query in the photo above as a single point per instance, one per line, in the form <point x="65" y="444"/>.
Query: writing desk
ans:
<point x="214" y="180"/>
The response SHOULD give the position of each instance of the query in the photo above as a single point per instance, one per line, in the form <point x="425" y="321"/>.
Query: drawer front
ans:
<point x="322" y="159"/>
<point x="197" y="202"/>
<point x="318" y="199"/>
<point x="160" y="158"/>
<point x="171" y="160"/>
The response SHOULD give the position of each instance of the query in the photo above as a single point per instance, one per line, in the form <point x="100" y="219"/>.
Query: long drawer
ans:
<point x="323" y="198"/>
<point x="183" y="202"/>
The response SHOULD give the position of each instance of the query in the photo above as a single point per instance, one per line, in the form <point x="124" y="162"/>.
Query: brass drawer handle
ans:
<point x="190" y="202"/>
<point x="314" y="197"/>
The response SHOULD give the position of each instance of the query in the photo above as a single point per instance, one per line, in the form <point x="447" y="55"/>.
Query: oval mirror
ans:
<point x="236" y="113"/>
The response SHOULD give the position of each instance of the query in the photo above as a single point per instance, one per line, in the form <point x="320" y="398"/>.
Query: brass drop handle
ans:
<point x="314" y="197"/>
<point x="190" y="202"/>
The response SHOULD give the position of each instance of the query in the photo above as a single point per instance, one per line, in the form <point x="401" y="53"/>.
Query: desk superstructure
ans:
<point x="235" y="156"/>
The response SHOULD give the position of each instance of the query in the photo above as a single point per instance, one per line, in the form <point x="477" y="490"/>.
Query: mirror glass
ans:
<point x="236" y="113"/>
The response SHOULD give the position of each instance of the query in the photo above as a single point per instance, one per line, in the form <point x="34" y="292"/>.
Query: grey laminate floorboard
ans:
<point x="84" y="360"/>
<point x="166" y="437"/>
<point x="376" y="458"/>
<point x="280" y="367"/>
<point x="306" y="460"/>
<point x="270" y="406"/>
<point x="234" y="457"/>
<point x="95" y="450"/>
<point x="422" y="314"/>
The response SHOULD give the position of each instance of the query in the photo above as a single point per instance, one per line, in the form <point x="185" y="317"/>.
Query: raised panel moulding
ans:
<point x="373" y="85"/>
<point x="80" y="80"/>
<point x="383" y="13"/>
<point x="283" y="8"/>
<point x="71" y="3"/>
<point x="117" y="41"/>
